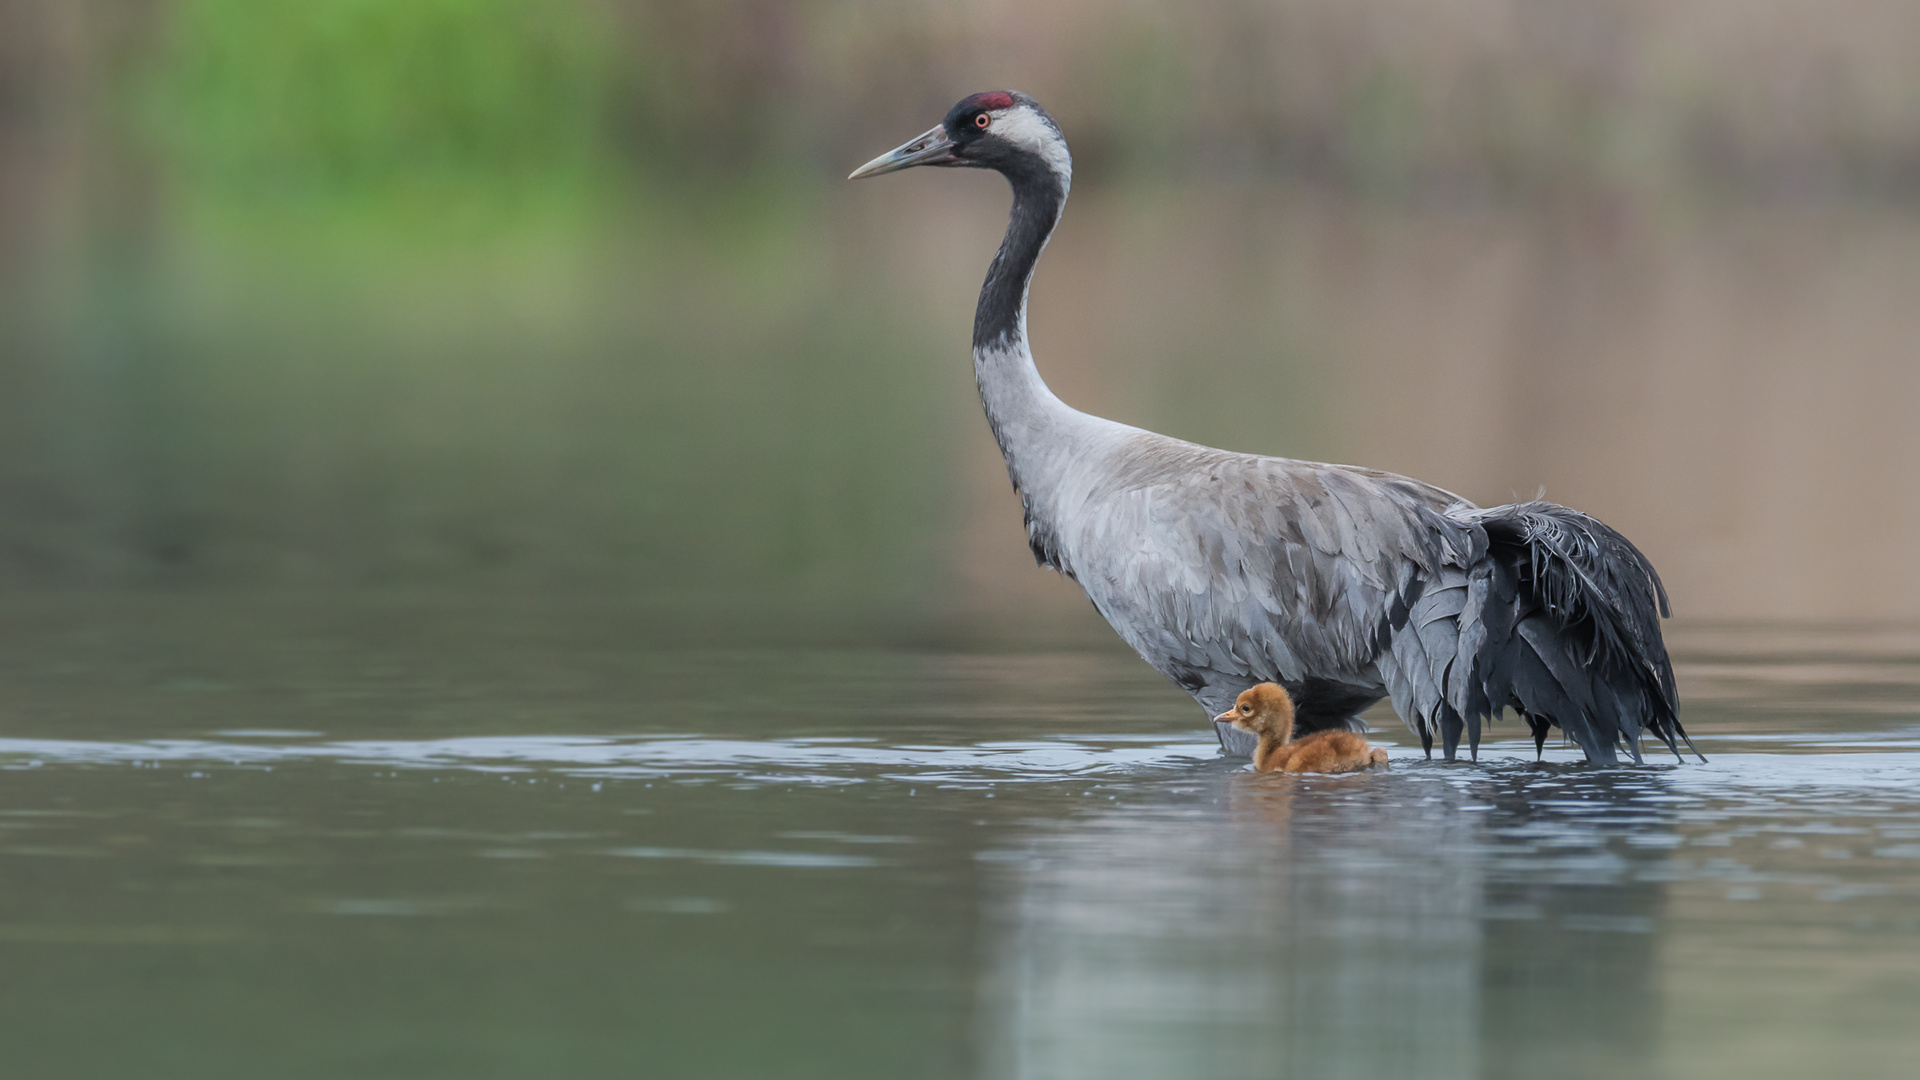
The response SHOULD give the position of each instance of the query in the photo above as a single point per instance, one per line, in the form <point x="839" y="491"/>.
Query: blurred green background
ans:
<point x="570" y="296"/>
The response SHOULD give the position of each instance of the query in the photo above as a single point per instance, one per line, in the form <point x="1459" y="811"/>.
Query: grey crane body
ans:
<point x="1346" y="585"/>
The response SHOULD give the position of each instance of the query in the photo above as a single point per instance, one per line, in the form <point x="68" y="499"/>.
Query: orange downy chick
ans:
<point x="1267" y="711"/>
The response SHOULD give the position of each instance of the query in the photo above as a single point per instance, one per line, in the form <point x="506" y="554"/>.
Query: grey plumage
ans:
<point x="1346" y="585"/>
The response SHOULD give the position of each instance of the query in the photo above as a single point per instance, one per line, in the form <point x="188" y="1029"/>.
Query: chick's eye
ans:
<point x="982" y="121"/>
<point x="1246" y="708"/>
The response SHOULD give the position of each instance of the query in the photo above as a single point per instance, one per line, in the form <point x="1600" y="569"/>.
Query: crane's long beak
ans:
<point x="932" y="148"/>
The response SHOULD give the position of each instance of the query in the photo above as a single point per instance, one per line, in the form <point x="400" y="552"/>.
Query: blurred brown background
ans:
<point x="505" y="295"/>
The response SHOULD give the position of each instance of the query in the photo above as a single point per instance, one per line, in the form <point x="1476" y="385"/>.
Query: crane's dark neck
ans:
<point x="1034" y="429"/>
<point x="1000" y="319"/>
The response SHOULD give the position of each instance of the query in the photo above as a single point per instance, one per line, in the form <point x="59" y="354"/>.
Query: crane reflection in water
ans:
<point x="1351" y="926"/>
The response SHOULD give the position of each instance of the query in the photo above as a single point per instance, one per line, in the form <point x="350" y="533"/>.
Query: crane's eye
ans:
<point x="1246" y="710"/>
<point x="982" y="121"/>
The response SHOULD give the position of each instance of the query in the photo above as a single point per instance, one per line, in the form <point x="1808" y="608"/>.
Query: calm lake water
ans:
<point x="388" y="839"/>
<point x="320" y="309"/>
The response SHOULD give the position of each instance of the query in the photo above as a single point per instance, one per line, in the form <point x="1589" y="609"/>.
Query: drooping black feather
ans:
<point x="1543" y="610"/>
<point x="1568" y="632"/>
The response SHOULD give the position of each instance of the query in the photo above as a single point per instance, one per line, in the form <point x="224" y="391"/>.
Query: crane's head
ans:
<point x="1003" y="130"/>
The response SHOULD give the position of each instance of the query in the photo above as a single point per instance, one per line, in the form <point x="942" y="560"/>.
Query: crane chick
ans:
<point x="1266" y="711"/>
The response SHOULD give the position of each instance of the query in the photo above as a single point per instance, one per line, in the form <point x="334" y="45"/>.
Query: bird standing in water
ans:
<point x="1266" y="712"/>
<point x="1344" y="585"/>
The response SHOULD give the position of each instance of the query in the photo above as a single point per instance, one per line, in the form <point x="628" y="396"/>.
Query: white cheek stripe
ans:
<point x="1023" y="127"/>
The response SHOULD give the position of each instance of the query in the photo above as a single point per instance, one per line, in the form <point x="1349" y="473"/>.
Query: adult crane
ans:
<point x="1345" y="585"/>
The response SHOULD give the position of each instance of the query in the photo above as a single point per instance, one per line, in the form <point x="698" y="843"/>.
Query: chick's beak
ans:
<point x="930" y="148"/>
<point x="1224" y="718"/>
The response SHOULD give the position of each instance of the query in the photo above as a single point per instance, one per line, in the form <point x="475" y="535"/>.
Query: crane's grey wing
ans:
<point x="1223" y="570"/>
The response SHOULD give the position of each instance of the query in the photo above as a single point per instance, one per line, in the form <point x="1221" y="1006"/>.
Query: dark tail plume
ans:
<point x="1561" y="622"/>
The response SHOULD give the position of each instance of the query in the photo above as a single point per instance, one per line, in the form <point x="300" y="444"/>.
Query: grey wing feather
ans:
<point x="1347" y="585"/>
<point x="1224" y="570"/>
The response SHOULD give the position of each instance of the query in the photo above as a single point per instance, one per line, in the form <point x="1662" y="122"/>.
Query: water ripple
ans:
<point x="775" y="760"/>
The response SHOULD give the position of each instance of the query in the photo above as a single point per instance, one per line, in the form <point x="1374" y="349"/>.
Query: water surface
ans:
<point x="324" y="839"/>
